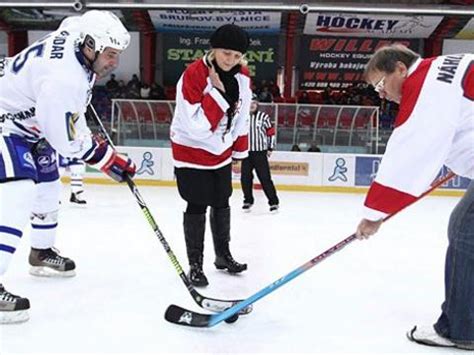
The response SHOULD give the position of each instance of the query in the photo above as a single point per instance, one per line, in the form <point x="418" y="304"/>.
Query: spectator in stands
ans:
<point x="121" y="92"/>
<point x="134" y="83"/>
<point x="303" y="98"/>
<point x="259" y="87"/>
<point x="274" y="89"/>
<point x="132" y="92"/>
<point x="328" y="98"/>
<point x="157" y="92"/>
<point x="314" y="148"/>
<point x="265" y="95"/>
<point x="112" y="84"/>
<point x="145" y="91"/>
<point x="295" y="148"/>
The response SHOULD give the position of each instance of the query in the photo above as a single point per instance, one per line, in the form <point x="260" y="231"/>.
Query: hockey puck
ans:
<point x="232" y="319"/>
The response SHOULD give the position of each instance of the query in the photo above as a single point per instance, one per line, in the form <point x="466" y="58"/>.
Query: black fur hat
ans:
<point x="230" y="37"/>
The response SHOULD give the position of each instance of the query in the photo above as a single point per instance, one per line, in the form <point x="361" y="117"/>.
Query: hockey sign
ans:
<point x="362" y="25"/>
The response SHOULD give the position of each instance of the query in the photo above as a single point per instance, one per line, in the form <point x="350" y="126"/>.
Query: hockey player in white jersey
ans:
<point x="434" y="127"/>
<point x="44" y="92"/>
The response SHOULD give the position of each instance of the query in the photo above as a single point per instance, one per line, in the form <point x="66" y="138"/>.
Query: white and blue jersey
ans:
<point x="44" y="91"/>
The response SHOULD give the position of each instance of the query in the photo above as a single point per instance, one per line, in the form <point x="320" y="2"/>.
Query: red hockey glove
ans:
<point x="116" y="165"/>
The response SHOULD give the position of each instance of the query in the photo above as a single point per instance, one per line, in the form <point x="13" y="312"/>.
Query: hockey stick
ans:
<point x="178" y="315"/>
<point x="210" y="304"/>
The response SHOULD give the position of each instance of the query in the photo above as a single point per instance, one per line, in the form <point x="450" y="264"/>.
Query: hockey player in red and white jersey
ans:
<point x="44" y="91"/>
<point x="209" y="129"/>
<point x="434" y="127"/>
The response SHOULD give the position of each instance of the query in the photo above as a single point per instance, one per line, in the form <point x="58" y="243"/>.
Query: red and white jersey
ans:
<point x="199" y="134"/>
<point x="44" y="91"/>
<point x="434" y="127"/>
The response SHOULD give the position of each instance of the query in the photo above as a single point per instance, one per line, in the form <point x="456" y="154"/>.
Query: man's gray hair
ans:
<point x="386" y="58"/>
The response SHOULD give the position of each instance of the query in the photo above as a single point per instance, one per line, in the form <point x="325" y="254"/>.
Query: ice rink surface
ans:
<point x="361" y="300"/>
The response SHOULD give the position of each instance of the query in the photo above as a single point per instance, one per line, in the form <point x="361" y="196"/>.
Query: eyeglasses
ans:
<point x="379" y="86"/>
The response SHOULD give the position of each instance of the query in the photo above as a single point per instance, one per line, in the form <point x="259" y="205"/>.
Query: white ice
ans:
<point x="362" y="299"/>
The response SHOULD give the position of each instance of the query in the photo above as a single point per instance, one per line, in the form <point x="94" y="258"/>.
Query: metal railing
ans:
<point x="335" y="127"/>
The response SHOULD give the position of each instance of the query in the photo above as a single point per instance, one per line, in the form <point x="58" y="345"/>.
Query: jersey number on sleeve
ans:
<point x="20" y="60"/>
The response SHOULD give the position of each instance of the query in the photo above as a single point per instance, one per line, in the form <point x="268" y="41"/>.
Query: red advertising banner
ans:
<point x="338" y="62"/>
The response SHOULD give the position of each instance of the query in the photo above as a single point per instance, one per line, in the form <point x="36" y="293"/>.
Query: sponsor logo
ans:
<point x="186" y="317"/>
<point x="18" y="116"/>
<point x="71" y="119"/>
<point x="44" y="160"/>
<point x="340" y="170"/>
<point x="289" y="168"/>
<point x="27" y="157"/>
<point x="146" y="164"/>
<point x="351" y="25"/>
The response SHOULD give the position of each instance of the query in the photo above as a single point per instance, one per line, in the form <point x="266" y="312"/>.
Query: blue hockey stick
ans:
<point x="178" y="315"/>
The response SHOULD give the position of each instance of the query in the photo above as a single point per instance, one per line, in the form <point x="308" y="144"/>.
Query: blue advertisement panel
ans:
<point x="367" y="167"/>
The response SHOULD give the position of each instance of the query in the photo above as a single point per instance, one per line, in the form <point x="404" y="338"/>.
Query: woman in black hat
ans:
<point x="209" y="129"/>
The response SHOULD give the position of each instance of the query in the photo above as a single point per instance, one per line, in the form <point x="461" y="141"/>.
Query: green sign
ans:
<point x="181" y="50"/>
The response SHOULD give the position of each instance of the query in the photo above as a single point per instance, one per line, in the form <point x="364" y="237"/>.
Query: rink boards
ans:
<point x="305" y="171"/>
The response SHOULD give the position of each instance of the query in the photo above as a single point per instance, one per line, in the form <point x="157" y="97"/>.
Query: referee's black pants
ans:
<point x="259" y="162"/>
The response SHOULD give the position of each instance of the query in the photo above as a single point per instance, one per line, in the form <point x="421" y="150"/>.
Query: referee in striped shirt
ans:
<point x="261" y="144"/>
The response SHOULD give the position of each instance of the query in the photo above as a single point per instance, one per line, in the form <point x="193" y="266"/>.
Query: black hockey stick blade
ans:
<point x="178" y="315"/>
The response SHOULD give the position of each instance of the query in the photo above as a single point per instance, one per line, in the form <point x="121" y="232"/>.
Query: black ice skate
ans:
<point x="13" y="308"/>
<point x="47" y="262"/>
<point x="274" y="208"/>
<point x="228" y="263"/>
<point x="247" y="207"/>
<point x="77" y="198"/>
<point x="196" y="275"/>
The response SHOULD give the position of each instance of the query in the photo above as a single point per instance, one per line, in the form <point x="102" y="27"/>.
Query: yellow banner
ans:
<point x="289" y="168"/>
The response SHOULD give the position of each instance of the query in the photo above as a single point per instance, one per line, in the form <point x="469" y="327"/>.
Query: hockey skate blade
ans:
<point x="177" y="315"/>
<point x="43" y="271"/>
<point x="14" y="317"/>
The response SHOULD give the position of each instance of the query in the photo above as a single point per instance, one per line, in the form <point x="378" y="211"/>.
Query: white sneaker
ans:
<point x="427" y="335"/>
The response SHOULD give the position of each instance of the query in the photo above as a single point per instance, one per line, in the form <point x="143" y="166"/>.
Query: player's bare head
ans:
<point x="388" y="68"/>
<point x="103" y="37"/>
<point x="386" y="59"/>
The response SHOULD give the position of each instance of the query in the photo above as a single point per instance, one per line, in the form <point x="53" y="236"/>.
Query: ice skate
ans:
<point x="48" y="263"/>
<point x="77" y="198"/>
<point x="13" y="308"/>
